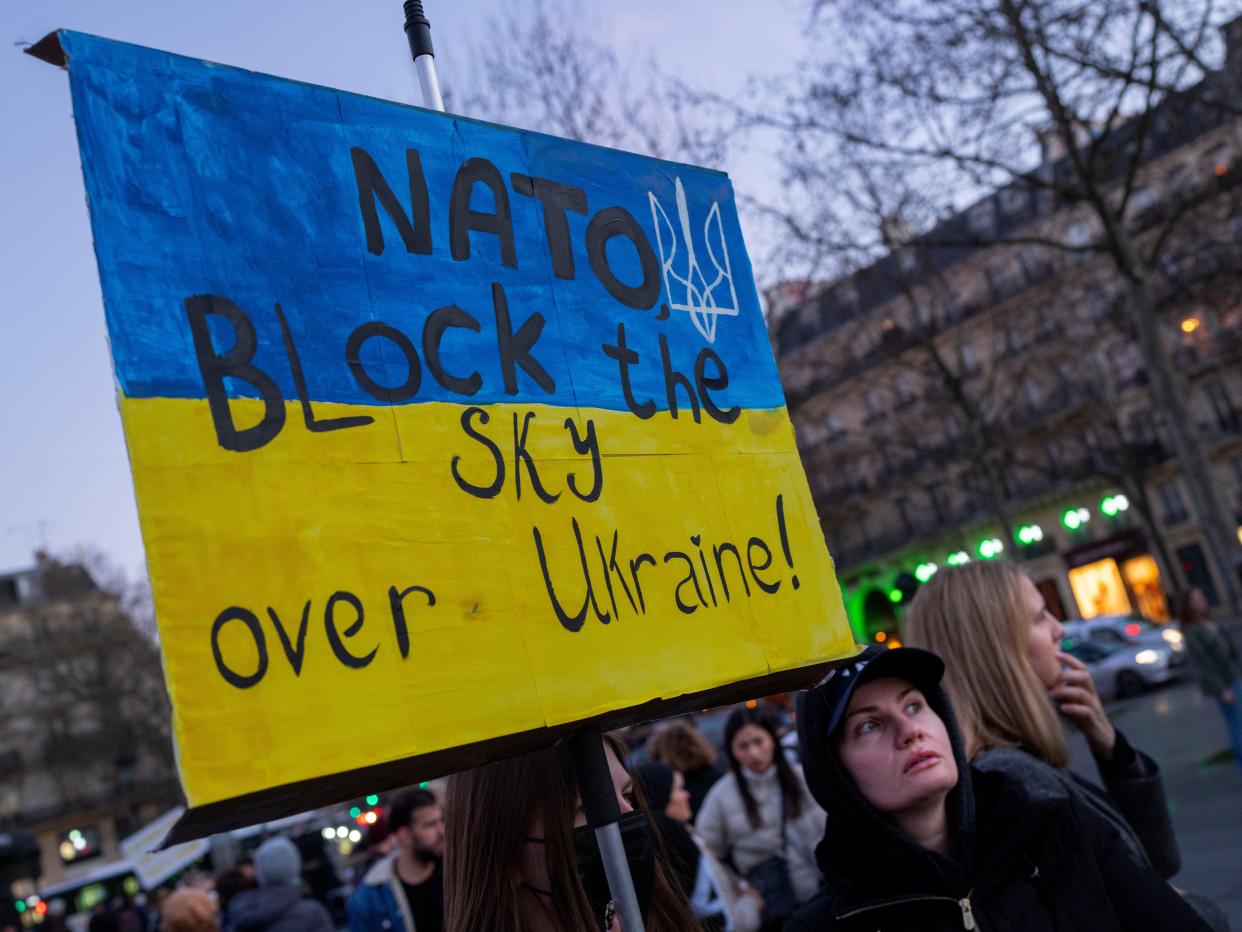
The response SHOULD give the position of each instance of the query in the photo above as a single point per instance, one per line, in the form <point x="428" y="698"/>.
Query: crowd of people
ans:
<point x="928" y="788"/>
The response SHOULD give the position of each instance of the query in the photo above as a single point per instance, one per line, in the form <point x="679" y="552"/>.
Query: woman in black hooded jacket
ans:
<point x="917" y="840"/>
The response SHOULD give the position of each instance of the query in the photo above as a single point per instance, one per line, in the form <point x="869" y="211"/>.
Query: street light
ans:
<point x="991" y="548"/>
<point x="1030" y="534"/>
<point x="957" y="558"/>
<point x="1113" y="505"/>
<point x="925" y="571"/>
<point x="1074" y="518"/>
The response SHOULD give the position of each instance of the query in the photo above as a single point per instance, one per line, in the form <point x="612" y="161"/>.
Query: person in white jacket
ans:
<point x="761" y="811"/>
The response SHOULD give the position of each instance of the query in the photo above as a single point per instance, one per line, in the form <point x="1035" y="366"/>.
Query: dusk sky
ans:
<point x="64" y="473"/>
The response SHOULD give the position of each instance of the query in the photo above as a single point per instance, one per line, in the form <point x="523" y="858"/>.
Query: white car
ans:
<point x="1120" y="630"/>
<point x="1127" y="668"/>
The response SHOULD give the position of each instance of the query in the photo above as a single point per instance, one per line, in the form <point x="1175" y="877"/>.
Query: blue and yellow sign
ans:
<point x="441" y="431"/>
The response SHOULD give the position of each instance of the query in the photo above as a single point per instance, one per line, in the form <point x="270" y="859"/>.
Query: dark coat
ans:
<point x="279" y="908"/>
<point x="1132" y="798"/>
<point x="1017" y="864"/>
<point x="698" y="782"/>
<point x="1213" y="657"/>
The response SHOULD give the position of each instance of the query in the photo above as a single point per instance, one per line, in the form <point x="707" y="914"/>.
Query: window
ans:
<point x="967" y="361"/>
<point x="1052" y="450"/>
<point x="1015" y="198"/>
<point x="982" y="217"/>
<point x="1219" y="158"/>
<point x="1078" y="234"/>
<point x="832" y="426"/>
<point x="996" y="283"/>
<point x="906" y="511"/>
<point x="874" y="401"/>
<point x="864" y="528"/>
<point x="1013" y="340"/>
<point x="1171" y="502"/>
<point x="1222" y="408"/>
<point x="952" y="429"/>
<point x="1143" y="200"/>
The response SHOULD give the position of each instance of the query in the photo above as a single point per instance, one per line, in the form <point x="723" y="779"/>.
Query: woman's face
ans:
<point x="753" y="748"/>
<point x="678" y="807"/>
<point x="895" y="747"/>
<point x="621" y="782"/>
<point x="1044" y="636"/>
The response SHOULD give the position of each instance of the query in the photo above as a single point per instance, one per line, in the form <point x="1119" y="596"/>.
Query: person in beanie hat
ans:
<point x="916" y="839"/>
<point x="277" y="904"/>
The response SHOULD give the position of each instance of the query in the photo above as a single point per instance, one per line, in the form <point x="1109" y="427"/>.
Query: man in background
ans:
<point x="405" y="890"/>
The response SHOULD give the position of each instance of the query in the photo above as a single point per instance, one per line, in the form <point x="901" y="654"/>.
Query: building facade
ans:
<point x="85" y="748"/>
<point x="979" y="391"/>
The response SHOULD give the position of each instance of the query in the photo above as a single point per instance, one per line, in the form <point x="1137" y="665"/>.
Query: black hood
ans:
<point x="863" y="849"/>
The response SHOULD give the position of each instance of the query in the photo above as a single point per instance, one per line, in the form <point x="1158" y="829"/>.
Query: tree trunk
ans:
<point x="1183" y="434"/>
<point x="1136" y="491"/>
<point x="1166" y="388"/>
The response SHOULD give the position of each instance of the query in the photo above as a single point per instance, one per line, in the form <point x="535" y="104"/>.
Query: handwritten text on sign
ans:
<point x="440" y="431"/>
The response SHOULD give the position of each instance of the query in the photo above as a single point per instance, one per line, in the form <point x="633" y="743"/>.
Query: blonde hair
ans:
<point x="976" y="618"/>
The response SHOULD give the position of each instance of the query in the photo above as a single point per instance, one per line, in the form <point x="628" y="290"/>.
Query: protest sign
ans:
<point x="153" y="865"/>
<point x="445" y="436"/>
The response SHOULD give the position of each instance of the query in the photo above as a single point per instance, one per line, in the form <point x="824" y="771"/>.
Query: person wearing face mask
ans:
<point x="519" y="856"/>
<point x="760" y="818"/>
<point x="917" y="839"/>
<point x="1008" y="679"/>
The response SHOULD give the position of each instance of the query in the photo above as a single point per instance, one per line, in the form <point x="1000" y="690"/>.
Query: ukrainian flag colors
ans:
<point x="440" y="431"/>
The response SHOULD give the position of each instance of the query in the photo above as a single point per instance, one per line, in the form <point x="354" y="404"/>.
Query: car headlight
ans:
<point x="1172" y="635"/>
<point x="1147" y="657"/>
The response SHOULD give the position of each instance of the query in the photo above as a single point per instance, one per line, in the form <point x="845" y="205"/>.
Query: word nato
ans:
<point x="515" y="347"/>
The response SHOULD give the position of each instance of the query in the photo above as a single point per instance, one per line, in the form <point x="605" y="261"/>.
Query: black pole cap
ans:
<point x="417" y="29"/>
<point x="599" y="796"/>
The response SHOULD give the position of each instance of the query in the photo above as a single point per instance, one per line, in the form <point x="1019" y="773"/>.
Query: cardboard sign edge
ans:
<point x="292" y="798"/>
<point x="49" y="49"/>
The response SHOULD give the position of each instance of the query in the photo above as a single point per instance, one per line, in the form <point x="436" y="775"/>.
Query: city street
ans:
<point x="1184" y="733"/>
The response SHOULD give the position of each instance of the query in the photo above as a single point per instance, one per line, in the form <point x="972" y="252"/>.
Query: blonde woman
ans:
<point x="1004" y="672"/>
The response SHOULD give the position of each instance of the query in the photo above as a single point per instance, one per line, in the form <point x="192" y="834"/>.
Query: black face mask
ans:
<point x="639" y="851"/>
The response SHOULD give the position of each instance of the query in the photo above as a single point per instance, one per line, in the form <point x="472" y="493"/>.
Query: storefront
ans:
<point x="1117" y="576"/>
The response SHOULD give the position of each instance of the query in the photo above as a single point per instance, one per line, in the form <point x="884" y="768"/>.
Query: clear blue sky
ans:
<point x="64" y="474"/>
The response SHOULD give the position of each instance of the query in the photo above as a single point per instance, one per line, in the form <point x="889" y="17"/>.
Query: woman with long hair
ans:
<point x="519" y="856"/>
<point x="921" y="840"/>
<point x="1214" y="659"/>
<point x="760" y="818"/>
<point x="1008" y="679"/>
<point x="680" y="746"/>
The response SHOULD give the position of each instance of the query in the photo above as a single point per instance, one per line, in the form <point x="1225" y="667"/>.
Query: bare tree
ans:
<point x="85" y="699"/>
<point x="958" y="92"/>
<point x="543" y="67"/>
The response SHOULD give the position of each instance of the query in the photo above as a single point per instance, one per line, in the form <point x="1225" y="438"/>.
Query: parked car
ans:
<point x="1119" y="630"/>
<point x="1128" y="668"/>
